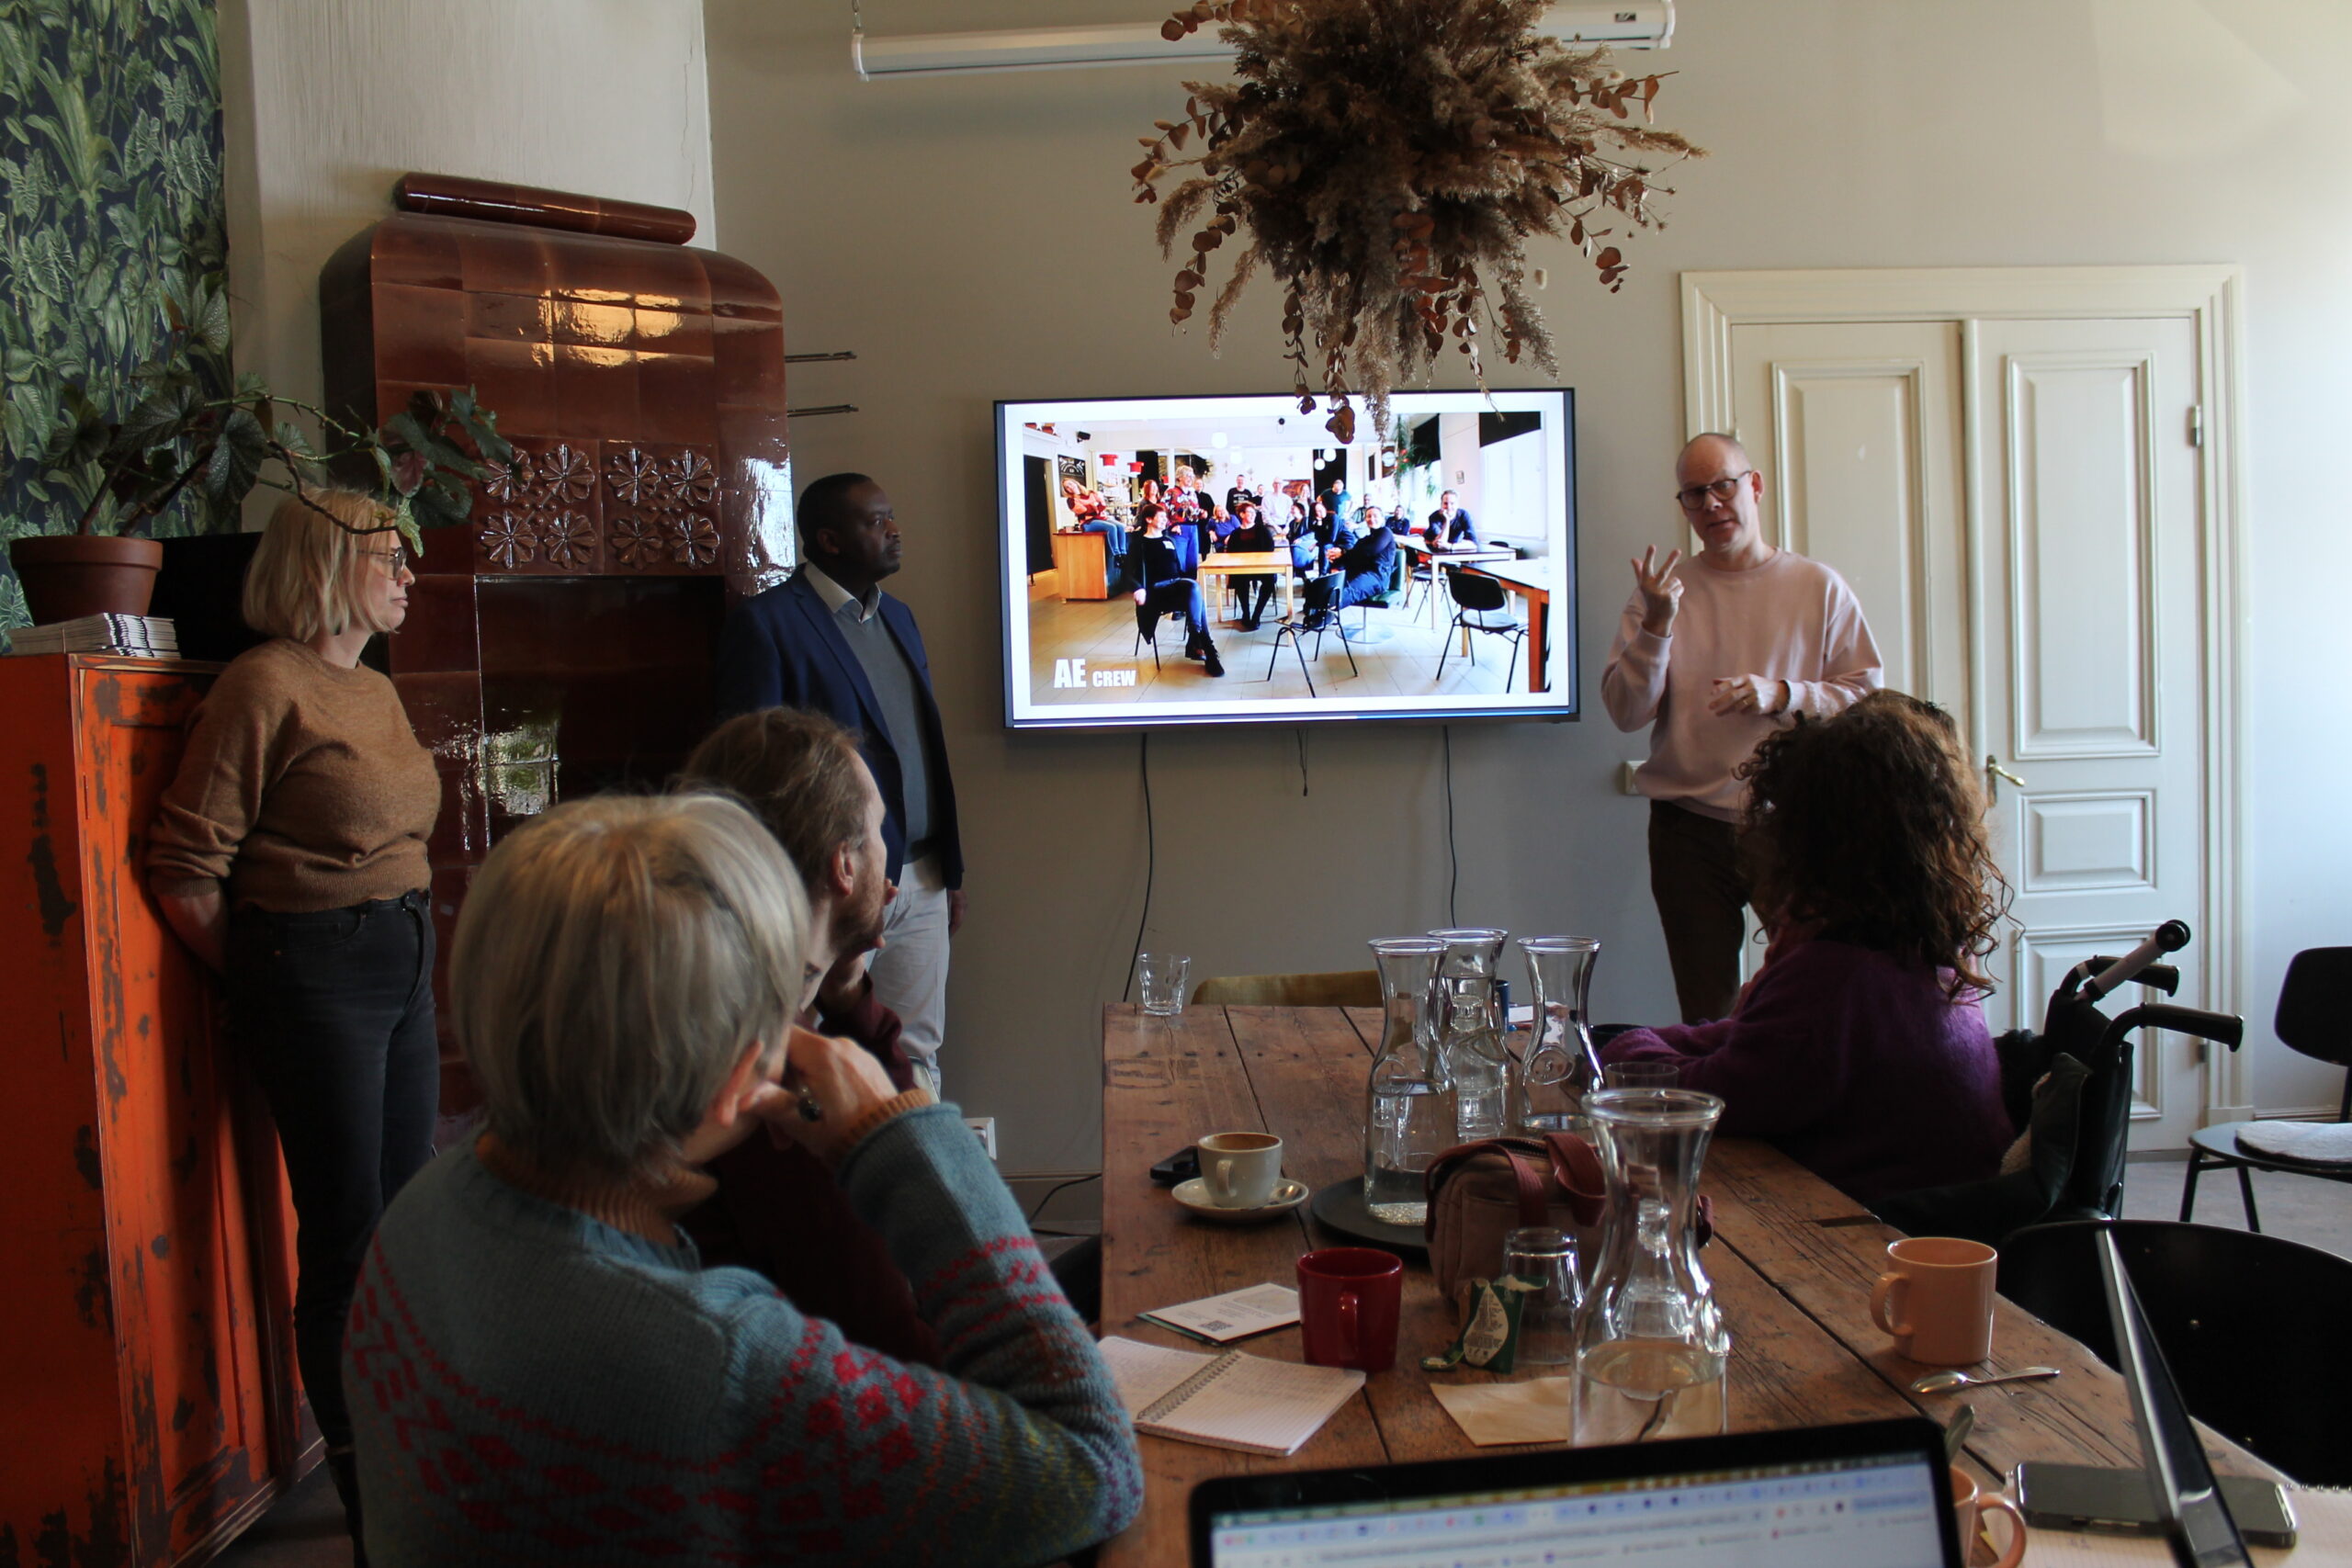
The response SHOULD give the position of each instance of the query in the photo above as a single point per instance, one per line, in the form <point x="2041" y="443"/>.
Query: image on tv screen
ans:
<point x="1426" y="571"/>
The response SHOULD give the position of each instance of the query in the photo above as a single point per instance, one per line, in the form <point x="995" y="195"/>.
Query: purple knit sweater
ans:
<point x="1857" y="1066"/>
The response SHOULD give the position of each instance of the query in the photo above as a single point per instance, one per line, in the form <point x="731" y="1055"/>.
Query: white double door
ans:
<point x="2017" y="503"/>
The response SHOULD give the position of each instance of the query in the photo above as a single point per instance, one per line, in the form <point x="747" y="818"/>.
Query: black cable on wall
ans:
<point x="1151" y="860"/>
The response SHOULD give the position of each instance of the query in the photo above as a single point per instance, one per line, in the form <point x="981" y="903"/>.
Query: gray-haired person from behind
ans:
<point x="539" y="1369"/>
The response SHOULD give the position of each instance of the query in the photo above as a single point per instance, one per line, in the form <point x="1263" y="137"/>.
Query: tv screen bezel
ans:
<point x="1564" y="607"/>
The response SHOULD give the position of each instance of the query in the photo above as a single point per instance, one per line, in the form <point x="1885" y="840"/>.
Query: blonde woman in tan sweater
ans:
<point x="289" y="854"/>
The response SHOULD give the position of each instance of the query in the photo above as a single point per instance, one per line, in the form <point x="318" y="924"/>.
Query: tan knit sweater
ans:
<point x="303" y="788"/>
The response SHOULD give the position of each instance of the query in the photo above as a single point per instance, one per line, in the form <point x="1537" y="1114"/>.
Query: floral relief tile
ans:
<point x="693" y="540"/>
<point x="635" y="542"/>
<point x="568" y="542"/>
<point x="508" y="539"/>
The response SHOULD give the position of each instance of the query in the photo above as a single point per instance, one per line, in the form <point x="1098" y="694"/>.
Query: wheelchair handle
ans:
<point x="2170" y="937"/>
<point x="2224" y="1028"/>
<point x="2163" y="977"/>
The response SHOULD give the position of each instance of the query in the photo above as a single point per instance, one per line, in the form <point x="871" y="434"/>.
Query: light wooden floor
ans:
<point x="1103" y="632"/>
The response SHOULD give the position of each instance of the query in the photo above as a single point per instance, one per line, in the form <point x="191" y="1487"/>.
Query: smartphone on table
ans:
<point x="2118" y="1502"/>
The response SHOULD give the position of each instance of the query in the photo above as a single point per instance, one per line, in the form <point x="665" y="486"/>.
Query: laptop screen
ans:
<point x="1858" y="1510"/>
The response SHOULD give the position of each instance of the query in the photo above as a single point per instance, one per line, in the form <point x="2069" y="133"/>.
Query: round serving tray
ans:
<point x="1339" y="1207"/>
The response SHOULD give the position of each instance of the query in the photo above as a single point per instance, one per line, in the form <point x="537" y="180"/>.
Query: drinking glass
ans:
<point x="1161" y="978"/>
<point x="1544" y="1257"/>
<point x="1640" y="1074"/>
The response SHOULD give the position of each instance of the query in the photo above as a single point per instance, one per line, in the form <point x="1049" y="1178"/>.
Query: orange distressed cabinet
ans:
<point x="149" y="1405"/>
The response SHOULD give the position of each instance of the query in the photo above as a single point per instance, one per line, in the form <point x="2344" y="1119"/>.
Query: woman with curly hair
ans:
<point x="1858" y="1048"/>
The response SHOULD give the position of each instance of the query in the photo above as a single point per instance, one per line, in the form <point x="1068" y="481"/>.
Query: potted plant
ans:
<point x="186" y="436"/>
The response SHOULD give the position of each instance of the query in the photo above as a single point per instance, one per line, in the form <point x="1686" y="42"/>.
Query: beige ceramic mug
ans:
<point x="1936" y="1298"/>
<point x="1969" y="1503"/>
<point x="1240" y="1168"/>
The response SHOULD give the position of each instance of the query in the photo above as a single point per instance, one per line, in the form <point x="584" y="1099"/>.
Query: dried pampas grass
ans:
<point x="1390" y="159"/>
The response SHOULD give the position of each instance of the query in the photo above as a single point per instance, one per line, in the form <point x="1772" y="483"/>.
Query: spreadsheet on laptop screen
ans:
<point x="1865" y="1513"/>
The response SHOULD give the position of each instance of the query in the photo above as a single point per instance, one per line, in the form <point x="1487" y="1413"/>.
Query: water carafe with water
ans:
<point x="1652" y="1349"/>
<point x="1409" y="1110"/>
<point x="1558" y="1065"/>
<point x="1472" y="1031"/>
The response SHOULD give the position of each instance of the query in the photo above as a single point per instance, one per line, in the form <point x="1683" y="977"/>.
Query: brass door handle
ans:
<point x="1995" y="772"/>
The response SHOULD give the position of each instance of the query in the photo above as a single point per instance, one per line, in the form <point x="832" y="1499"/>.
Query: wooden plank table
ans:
<point x="1792" y="1263"/>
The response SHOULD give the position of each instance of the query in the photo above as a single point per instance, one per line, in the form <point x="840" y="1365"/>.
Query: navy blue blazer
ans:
<point x="783" y="649"/>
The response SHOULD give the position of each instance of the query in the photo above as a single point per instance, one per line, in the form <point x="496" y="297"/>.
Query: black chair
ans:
<point x="2249" y="1325"/>
<point x="2313" y="1018"/>
<point x="1148" y="630"/>
<point x="1481" y="604"/>
<point x="1308" y="622"/>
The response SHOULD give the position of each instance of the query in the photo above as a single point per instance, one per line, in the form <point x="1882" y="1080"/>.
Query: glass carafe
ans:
<point x="1558" y="1065"/>
<point x="1408" y="1103"/>
<point x="1472" y="1030"/>
<point x="1652" y="1349"/>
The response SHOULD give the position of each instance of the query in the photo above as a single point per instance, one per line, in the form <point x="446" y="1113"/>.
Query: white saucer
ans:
<point x="1194" y="1195"/>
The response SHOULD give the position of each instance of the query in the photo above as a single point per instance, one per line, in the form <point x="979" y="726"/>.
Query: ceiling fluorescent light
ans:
<point x="1642" y="24"/>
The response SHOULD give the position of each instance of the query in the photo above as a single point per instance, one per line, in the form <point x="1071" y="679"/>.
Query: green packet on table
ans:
<point x="1489" y="1337"/>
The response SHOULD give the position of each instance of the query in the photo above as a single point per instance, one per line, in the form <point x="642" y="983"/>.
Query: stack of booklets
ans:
<point x="129" y="636"/>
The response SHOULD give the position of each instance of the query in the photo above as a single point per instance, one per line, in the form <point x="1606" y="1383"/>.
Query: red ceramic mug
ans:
<point x="1348" y="1302"/>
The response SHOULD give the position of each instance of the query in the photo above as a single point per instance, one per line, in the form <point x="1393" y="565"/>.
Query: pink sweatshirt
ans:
<point x="1789" y="619"/>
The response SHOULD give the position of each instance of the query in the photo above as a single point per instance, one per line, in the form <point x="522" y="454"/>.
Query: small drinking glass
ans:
<point x="1544" y="1257"/>
<point x="1161" y="978"/>
<point x="1640" y="1074"/>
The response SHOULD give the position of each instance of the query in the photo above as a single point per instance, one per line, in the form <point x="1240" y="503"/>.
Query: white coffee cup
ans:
<point x="1239" y="1170"/>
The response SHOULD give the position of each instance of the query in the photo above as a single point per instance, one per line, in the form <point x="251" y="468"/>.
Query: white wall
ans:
<point x="973" y="240"/>
<point x="328" y="102"/>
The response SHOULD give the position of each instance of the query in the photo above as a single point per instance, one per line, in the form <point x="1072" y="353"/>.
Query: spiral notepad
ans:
<point x="1230" y="1401"/>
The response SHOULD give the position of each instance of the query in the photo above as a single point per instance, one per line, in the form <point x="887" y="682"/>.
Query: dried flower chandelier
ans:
<point x="1390" y="159"/>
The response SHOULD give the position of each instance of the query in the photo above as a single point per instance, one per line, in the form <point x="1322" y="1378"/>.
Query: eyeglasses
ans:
<point x="394" y="560"/>
<point x="1695" y="498"/>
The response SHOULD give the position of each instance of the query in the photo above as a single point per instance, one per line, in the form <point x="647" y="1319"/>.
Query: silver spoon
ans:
<point x="1945" y="1382"/>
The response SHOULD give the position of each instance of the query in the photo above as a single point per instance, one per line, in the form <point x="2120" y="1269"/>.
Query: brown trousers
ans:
<point x="1695" y="878"/>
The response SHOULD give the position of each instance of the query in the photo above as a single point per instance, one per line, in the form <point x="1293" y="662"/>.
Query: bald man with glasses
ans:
<point x="1714" y="654"/>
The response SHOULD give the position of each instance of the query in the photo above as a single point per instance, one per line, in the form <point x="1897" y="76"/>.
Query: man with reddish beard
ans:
<point x="776" y="1208"/>
<point x="1743" y="641"/>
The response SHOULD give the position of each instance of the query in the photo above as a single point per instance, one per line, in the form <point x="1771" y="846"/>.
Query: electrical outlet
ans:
<point x="983" y="1129"/>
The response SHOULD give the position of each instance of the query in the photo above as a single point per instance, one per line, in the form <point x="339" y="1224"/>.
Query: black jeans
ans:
<point x="335" y="1014"/>
<point x="1265" y="592"/>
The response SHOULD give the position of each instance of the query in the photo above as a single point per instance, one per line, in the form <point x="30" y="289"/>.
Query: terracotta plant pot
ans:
<point x="67" y="576"/>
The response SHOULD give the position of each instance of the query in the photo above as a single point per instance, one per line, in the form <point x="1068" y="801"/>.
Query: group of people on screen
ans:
<point x="717" y="1275"/>
<point x="1344" y="553"/>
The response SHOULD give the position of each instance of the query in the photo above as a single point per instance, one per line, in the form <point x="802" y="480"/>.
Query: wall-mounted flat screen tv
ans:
<point x="1425" y="571"/>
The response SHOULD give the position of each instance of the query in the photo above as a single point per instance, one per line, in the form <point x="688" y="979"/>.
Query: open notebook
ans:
<point x="1228" y="1400"/>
